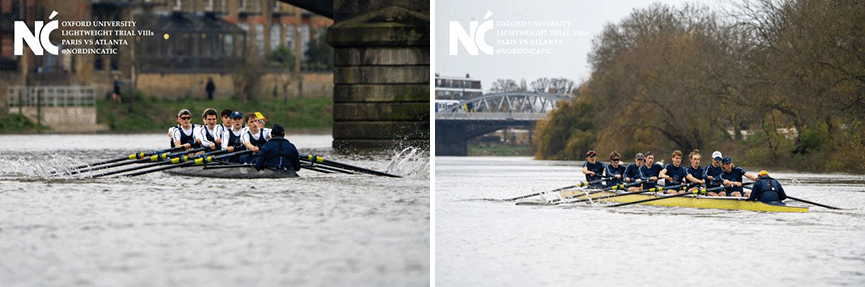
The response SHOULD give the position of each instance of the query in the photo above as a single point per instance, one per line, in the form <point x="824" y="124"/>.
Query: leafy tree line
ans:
<point x="774" y="83"/>
<point x="542" y="85"/>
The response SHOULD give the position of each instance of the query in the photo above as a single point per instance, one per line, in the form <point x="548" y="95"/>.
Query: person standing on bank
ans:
<point x="278" y="154"/>
<point x="210" y="88"/>
<point x="767" y="190"/>
<point x="593" y="169"/>
<point x="115" y="96"/>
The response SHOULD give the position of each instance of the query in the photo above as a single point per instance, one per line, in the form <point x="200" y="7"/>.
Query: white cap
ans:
<point x="717" y="154"/>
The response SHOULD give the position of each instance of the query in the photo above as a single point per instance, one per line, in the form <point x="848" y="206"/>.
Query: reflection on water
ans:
<point x="483" y="242"/>
<point x="156" y="229"/>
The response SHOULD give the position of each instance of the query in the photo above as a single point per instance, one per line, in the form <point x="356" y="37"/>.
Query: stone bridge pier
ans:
<point x="381" y="74"/>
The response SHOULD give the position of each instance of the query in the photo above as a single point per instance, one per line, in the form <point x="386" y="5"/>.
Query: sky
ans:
<point x="528" y="39"/>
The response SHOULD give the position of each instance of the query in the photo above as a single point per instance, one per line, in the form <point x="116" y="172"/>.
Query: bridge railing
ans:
<point x="490" y="116"/>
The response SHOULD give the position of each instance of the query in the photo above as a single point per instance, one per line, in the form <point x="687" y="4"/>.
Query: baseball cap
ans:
<point x="763" y="173"/>
<point x="259" y="116"/>
<point x="726" y="160"/>
<point x="591" y="153"/>
<point x="236" y="115"/>
<point x="639" y="156"/>
<point x="277" y="131"/>
<point x="717" y="156"/>
<point x="183" y="112"/>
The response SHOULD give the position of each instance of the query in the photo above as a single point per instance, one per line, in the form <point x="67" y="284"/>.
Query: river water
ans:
<point x="484" y="242"/>
<point x="163" y="230"/>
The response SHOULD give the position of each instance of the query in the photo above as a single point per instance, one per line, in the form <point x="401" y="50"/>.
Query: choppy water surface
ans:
<point x="163" y="230"/>
<point x="482" y="242"/>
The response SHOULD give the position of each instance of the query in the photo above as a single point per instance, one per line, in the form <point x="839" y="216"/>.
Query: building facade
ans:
<point x="457" y="88"/>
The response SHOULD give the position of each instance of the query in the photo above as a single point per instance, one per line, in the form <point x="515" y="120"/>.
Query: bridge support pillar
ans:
<point x="450" y="139"/>
<point x="381" y="74"/>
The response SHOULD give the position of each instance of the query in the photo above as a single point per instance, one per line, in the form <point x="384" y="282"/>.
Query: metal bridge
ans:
<point x="456" y="125"/>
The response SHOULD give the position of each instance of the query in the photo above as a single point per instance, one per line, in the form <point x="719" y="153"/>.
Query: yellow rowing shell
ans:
<point x="712" y="202"/>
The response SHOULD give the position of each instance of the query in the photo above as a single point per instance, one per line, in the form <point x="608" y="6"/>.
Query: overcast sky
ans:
<point x="529" y="39"/>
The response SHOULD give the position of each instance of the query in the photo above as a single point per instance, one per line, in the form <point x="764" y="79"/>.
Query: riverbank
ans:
<point x="140" y="113"/>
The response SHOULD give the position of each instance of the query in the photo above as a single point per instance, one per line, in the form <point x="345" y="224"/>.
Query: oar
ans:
<point x="321" y="160"/>
<point x="196" y="160"/>
<point x="621" y="186"/>
<point x="580" y="184"/>
<point x="696" y="191"/>
<point x="152" y="158"/>
<point x="159" y="162"/>
<point x="814" y="203"/>
<point x="314" y="168"/>
<point x="133" y="156"/>
<point x="323" y="167"/>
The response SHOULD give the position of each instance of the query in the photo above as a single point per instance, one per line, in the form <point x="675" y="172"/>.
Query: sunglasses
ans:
<point x="615" y="159"/>
<point x="185" y="118"/>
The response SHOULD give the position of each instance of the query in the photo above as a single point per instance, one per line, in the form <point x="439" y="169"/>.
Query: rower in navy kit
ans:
<point x="254" y="136"/>
<point x="712" y="174"/>
<point x="184" y="135"/>
<point x="210" y="134"/>
<point x="614" y="171"/>
<point x="593" y="169"/>
<point x="767" y="190"/>
<point x="674" y="173"/>
<point x="226" y="119"/>
<point x="694" y="172"/>
<point x="278" y="154"/>
<point x="231" y="137"/>
<point x="650" y="171"/>
<point x="632" y="172"/>
<point x="733" y="176"/>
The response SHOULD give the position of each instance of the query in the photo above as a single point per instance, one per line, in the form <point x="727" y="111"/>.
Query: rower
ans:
<point x="254" y="136"/>
<point x="209" y="135"/>
<point x="226" y="119"/>
<point x="694" y="172"/>
<point x="171" y="131"/>
<point x="184" y="134"/>
<point x="650" y="171"/>
<point x="674" y="173"/>
<point x="231" y="136"/>
<point x="261" y="122"/>
<point x="733" y="176"/>
<point x="278" y="154"/>
<point x="632" y="172"/>
<point x="593" y="169"/>
<point x="614" y="170"/>
<point x="767" y="190"/>
<point x="712" y="174"/>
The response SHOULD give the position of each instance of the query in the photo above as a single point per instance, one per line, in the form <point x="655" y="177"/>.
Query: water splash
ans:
<point x="33" y="166"/>
<point x="410" y="162"/>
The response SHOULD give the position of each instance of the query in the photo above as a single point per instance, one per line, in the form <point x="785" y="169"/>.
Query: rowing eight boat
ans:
<point x="232" y="171"/>
<point x="699" y="201"/>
